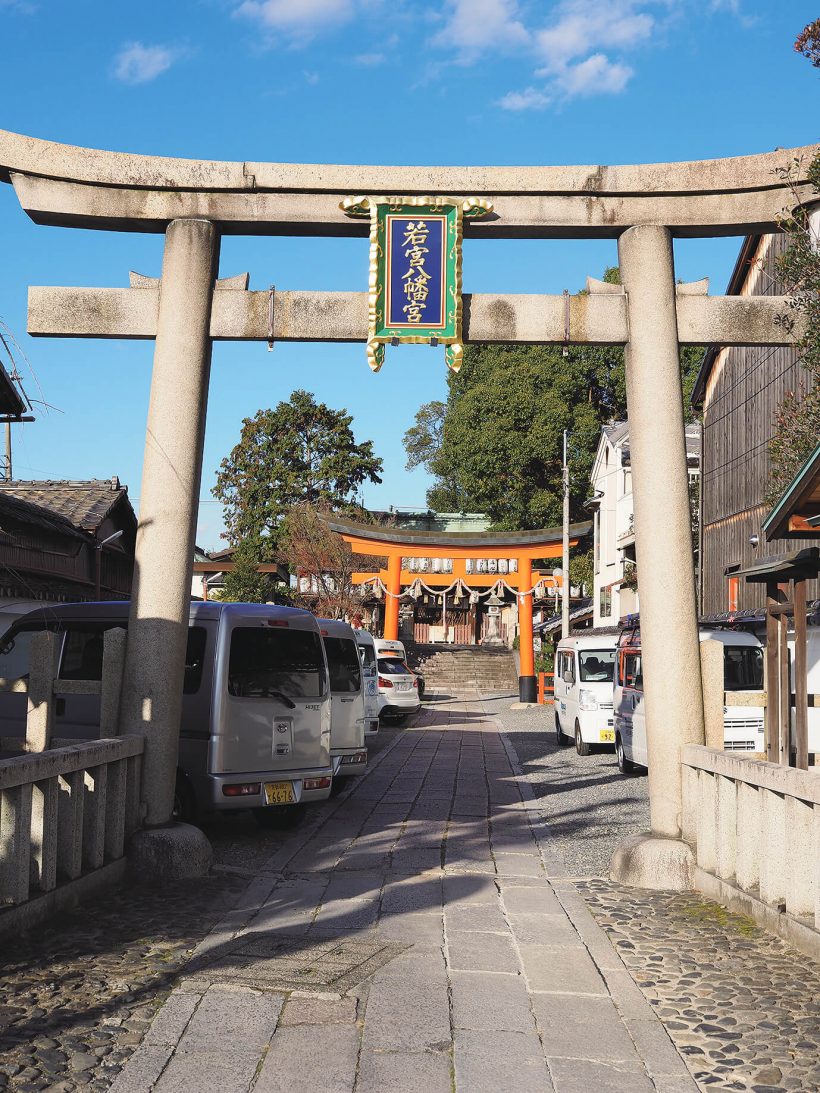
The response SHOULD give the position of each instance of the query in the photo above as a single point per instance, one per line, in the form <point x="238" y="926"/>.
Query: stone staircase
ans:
<point x="448" y="668"/>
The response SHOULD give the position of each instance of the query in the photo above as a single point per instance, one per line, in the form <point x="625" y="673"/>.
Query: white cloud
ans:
<point x="529" y="99"/>
<point x="299" y="20"/>
<point x="311" y="78"/>
<point x="137" y="63"/>
<point x="586" y="25"/>
<point x="474" y="26"/>
<point x="597" y="75"/>
<point x="370" y="60"/>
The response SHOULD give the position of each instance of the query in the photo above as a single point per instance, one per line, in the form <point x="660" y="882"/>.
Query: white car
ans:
<point x="398" y="688"/>
<point x="584" y="673"/>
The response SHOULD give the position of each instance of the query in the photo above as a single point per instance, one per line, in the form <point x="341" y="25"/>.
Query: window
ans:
<point x="83" y="652"/>
<point x="597" y="665"/>
<point x="742" y="668"/>
<point x="605" y="603"/>
<point x="734" y="588"/>
<point x="194" y="659"/>
<point x="367" y="655"/>
<point x="269" y="662"/>
<point x="343" y="665"/>
<point x="567" y="665"/>
<point x="391" y="667"/>
<point x="15" y="654"/>
<point x="632" y="671"/>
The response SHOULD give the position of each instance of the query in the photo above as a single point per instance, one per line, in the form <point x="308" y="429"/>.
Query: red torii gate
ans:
<point x="398" y="543"/>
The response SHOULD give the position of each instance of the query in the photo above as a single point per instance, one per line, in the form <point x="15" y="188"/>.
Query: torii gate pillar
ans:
<point x="172" y="468"/>
<point x="673" y="693"/>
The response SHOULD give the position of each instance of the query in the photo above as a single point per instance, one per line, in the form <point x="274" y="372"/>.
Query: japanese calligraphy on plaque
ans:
<point x="415" y="270"/>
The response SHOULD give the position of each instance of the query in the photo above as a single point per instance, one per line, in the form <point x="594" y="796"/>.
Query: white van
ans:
<point x="583" y="676"/>
<point x="255" y="727"/>
<point x="367" y="655"/>
<point x="398" y="685"/>
<point x="813" y="680"/>
<point x="347" y="749"/>
<point x="742" y="671"/>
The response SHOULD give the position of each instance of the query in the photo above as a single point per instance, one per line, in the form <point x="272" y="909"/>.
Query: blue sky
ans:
<point x="358" y="81"/>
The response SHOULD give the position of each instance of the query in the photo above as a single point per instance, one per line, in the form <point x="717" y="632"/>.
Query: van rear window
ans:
<point x="388" y="666"/>
<point x="263" y="662"/>
<point x="742" y="668"/>
<point x="343" y="665"/>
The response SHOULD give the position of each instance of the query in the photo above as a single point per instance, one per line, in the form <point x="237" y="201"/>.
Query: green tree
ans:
<point x="244" y="584"/>
<point x="496" y="445"/>
<point x="300" y="452"/>
<point x="797" y="418"/>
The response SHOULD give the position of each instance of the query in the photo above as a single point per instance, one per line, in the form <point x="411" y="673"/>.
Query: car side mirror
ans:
<point x="567" y="676"/>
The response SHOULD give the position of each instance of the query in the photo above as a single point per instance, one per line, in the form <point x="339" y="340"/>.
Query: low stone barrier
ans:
<point x="67" y="811"/>
<point x="754" y="828"/>
<point x="64" y="814"/>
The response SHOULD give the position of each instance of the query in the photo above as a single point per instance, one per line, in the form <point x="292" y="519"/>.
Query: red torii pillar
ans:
<point x="527" y="690"/>
<point x="391" y="599"/>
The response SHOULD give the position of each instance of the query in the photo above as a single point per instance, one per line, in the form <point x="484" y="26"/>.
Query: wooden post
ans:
<point x="772" y="712"/>
<point x="801" y="687"/>
<point x="40" y="713"/>
<point x="784" y="689"/>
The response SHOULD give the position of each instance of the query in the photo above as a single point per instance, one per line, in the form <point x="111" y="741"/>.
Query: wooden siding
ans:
<point x="742" y="394"/>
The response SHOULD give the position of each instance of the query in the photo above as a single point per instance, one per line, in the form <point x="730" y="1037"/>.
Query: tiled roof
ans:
<point x="15" y="510"/>
<point x="83" y="504"/>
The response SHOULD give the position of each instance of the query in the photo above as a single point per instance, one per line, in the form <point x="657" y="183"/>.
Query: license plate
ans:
<point x="279" y="793"/>
<point x="608" y="736"/>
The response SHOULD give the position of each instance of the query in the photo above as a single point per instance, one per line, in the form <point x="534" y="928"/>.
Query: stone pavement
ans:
<point x="419" y="935"/>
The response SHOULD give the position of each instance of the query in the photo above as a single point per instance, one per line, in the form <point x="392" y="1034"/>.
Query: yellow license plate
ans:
<point x="279" y="793"/>
<point x="608" y="736"/>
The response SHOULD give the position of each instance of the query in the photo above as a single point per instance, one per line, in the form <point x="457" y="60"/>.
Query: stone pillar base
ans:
<point x="651" y="861"/>
<point x="175" y="852"/>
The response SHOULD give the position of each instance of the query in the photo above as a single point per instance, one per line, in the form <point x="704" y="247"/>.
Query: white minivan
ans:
<point x="742" y="671"/>
<point x="398" y="685"/>
<point x="367" y="655"/>
<point x="347" y="748"/>
<point x="583" y="677"/>
<point x="255" y="726"/>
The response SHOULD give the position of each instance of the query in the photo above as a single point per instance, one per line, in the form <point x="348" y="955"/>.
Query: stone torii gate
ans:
<point x="195" y="202"/>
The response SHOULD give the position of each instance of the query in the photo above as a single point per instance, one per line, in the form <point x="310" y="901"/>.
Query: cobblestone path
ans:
<point x="418" y="937"/>
<point x="740" y="1004"/>
<point x="77" y="997"/>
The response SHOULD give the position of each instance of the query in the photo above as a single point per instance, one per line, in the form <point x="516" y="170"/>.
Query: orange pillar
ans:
<point x="391" y="602"/>
<point x="526" y="680"/>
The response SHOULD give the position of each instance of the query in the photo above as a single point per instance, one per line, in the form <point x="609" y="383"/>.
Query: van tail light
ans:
<point x="242" y="789"/>
<point x="316" y="783"/>
<point x="278" y="622"/>
<point x="415" y="682"/>
<point x="384" y="683"/>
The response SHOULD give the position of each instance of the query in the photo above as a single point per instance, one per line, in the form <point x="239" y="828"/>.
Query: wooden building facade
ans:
<point x="739" y="391"/>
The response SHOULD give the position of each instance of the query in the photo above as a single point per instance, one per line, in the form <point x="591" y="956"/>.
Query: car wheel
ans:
<point x="625" y="766"/>
<point x="581" y="747"/>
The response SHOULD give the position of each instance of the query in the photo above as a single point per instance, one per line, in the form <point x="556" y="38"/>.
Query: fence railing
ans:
<point x="546" y="687"/>
<point x="66" y="811"/>
<point x="755" y="826"/>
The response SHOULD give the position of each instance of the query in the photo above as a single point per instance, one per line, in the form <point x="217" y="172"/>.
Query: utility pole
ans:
<point x="565" y="558"/>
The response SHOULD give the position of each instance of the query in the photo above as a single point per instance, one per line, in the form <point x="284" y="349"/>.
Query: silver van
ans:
<point x="347" y="748"/>
<point x="255" y="727"/>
